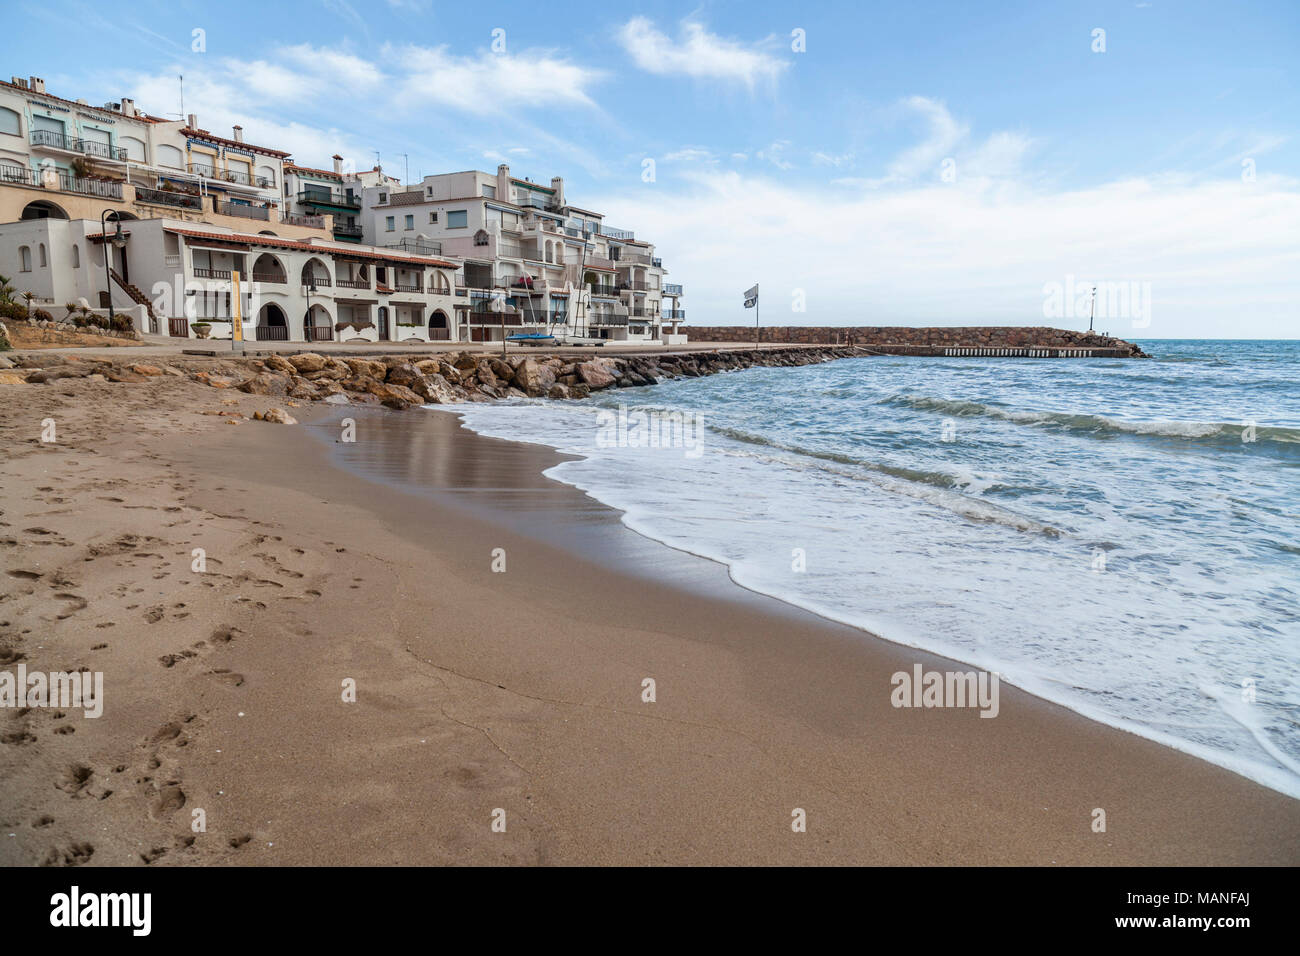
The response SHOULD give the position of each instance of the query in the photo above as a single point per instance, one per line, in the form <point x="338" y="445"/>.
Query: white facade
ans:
<point x="291" y="290"/>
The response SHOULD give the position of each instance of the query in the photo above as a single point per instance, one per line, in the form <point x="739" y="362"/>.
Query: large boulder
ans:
<point x="395" y="396"/>
<point x="264" y="383"/>
<point x="278" y="363"/>
<point x="360" y="367"/>
<point x="279" y="416"/>
<point x="404" y="374"/>
<point x="307" y="362"/>
<point x="534" y="378"/>
<point x="594" y="375"/>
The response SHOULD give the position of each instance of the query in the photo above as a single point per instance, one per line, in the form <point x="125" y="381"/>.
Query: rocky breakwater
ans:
<point x="403" y="381"/>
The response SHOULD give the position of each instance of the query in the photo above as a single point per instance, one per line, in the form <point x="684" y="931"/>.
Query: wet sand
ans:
<point x="479" y="690"/>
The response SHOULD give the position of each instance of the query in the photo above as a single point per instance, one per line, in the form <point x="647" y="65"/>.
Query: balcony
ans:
<point x="323" y="197"/>
<point x="229" y="176"/>
<point x="90" y="187"/>
<point x="527" y="282"/>
<point x="610" y="290"/>
<point x="166" y="197"/>
<point x="674" y="315"/>
<point x="607" y="319"/>
<point x="634" y="258"/>
<point x="672" y="288"/>
<point x="656" y="262"/>
<point x="310" y="222"/>
<point x="346" y="230"/>
<point x="612" y="233"/>
<point x="211" y="273"/>
<point x="419" y="247"/>
<point x="629" y="285"/>
<point x="476" y="281"/>
<point x="244" y="211"/>
<point x="52" y="140"/>
<point x="278" y="278"/>
<point x="407" y="287"/>
<point x="352" y="283"/>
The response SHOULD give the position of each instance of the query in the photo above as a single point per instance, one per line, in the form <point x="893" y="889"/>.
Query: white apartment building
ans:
<point x="66" y="159"/>
<point x="532" y="261"/>
<point x="332" y="192"/>
<point x="171" y="274"/>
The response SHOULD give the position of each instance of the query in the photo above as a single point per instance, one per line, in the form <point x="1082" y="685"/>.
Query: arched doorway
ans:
<point x="383" y="323"/>
<point x="43" y="209"/>
<point x="315" y="274"/>
<point x="272" y="324"/>
<point x="439" y="327"/>
<point x="317" y="326"/>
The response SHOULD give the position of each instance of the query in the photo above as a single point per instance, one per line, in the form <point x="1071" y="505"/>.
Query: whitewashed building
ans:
<point x="171" y="275"/>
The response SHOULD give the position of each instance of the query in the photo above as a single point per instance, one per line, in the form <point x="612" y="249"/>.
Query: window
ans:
<point x="388" y="223"/>
<point x="481" y="238"/>
<point x="428" y="191"/>
<point x="433" y="217"/>
<point x="134" y="148"/>
<point x="170" y="156"/>
<point x="24" y="259"/>
<point x="9" y="122"/>
<point x="383" y="198"/>
<point x="490" y="192"/>
<point x="76" y="257"/>
<point x="410" y="222"/>
<point x="41" y="248"/>
<point x="267" y="173"/>
<point x="458" y="219"/>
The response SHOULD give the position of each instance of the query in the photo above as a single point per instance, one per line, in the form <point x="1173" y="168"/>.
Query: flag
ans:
<point x="751" y="297"/>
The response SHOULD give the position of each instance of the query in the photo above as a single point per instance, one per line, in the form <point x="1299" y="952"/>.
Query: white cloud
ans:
<point x="1220" y="254"/>
<point x="698" y="53"/>
<point x="774" y="154"/>
<point x="487" y="82"/>
<point x="832" y="159"/>
<point x="690" y="154"/>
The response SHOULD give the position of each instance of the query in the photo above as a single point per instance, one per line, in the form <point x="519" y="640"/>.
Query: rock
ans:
<point x="330" y="372"/>
<point x="114" y="374"/>
<point x="279" y="363"/>
<point x="465" y="362"/>
<point x="429" y="366"/>
<point x="501" y="370"/>
<point x="12" y="378"/>
<point x="395" y="396"/>
<point x="595" y="375"/>
<point x="328" y="387"/>
<point x="558" y="391"/>
<point x="307" y="362"/>
<point x="533" y="378"/>
<point x="365" y="368"/>
<point x="265" y="383"/>
<point x="404" y="374"/>
<point x="279" y="416"/>
<point x="5" y="362"/>
<point x="303" y="389"/>
<point x="150" y="371"/>
<point x="485" y="374"/>
<point x="338" y="398"/>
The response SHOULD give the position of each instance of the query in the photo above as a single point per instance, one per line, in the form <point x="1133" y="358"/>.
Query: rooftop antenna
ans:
<point x="408" y="168"/>
<point x="378" y="165"/>
<point x="180" y="77"/>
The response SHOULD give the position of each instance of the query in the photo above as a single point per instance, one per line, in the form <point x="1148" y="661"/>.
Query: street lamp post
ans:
<point x="117" y="242"/>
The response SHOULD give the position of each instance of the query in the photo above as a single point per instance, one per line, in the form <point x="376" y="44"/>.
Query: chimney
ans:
<point x="192" y="121"/>
<point x="557" y="183"/>
<point x="338" y="164"/>
<point x="38" y="85"/>
<point x="503" y="182"/>
<point x="18" y="81"/>
<point x="128" y="106"/>
<point x="237" y="133"/>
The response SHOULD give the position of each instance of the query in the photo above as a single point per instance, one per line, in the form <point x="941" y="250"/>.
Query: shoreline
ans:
<point x="518" y="690"/>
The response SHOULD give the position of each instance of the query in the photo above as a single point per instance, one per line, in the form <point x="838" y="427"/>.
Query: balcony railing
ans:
<point x="407" y="287"/>
<point x="613" y="233"/>
<point x="672" y="288"/>
<point x="323" y="197"/>
<point x="636" y="258"/>
<point x="311" y="222"/>
<point x="272" y="333"/>
<point x="419" y="247"/>
<point x="166" y="197"/>
<point x="87" y="147"/>
<point x="319" y="333"/>
<point x="629" y="285"/>
<point x="607" y="319"/>
<point x="229" y="176"/>
<point x="211" y="273"/>
<point x="527" y="282"/>
<point x="478" y="282"/>
<point x="674" y="314"/>
<point x="604" y="290"/>
<point x="347" y="229"/>
<point x="20" y="175"/>
<point x="312" y="280"/>
<point x="278" y="278"/>
<point x="352" y="283"/>
<point x="90" y="187"/>
<point x="244" y="211"/>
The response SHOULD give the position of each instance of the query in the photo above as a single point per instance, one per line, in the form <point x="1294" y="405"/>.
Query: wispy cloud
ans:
<point x="491" y="81"/>
<point x="699" y="54"/>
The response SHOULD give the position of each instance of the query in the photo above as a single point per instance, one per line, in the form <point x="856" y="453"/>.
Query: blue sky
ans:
<point x="916" y="163"/>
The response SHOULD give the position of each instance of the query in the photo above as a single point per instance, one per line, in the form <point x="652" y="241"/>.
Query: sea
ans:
<point x="1119" y="536"/>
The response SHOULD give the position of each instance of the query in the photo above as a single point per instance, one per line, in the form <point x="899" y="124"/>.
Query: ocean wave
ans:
<point x="1214" y="432"/>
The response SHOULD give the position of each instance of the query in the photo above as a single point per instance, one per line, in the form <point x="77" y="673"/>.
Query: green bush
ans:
<point x="12" y="310"/>
<point x="122" y="323"/>
<point x="42" y="315"/>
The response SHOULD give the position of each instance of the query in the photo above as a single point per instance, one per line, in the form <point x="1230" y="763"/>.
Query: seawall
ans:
<point x="977" y="340"/>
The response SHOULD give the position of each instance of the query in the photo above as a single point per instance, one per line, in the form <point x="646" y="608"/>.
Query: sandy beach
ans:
<point x="478" y="690"/>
